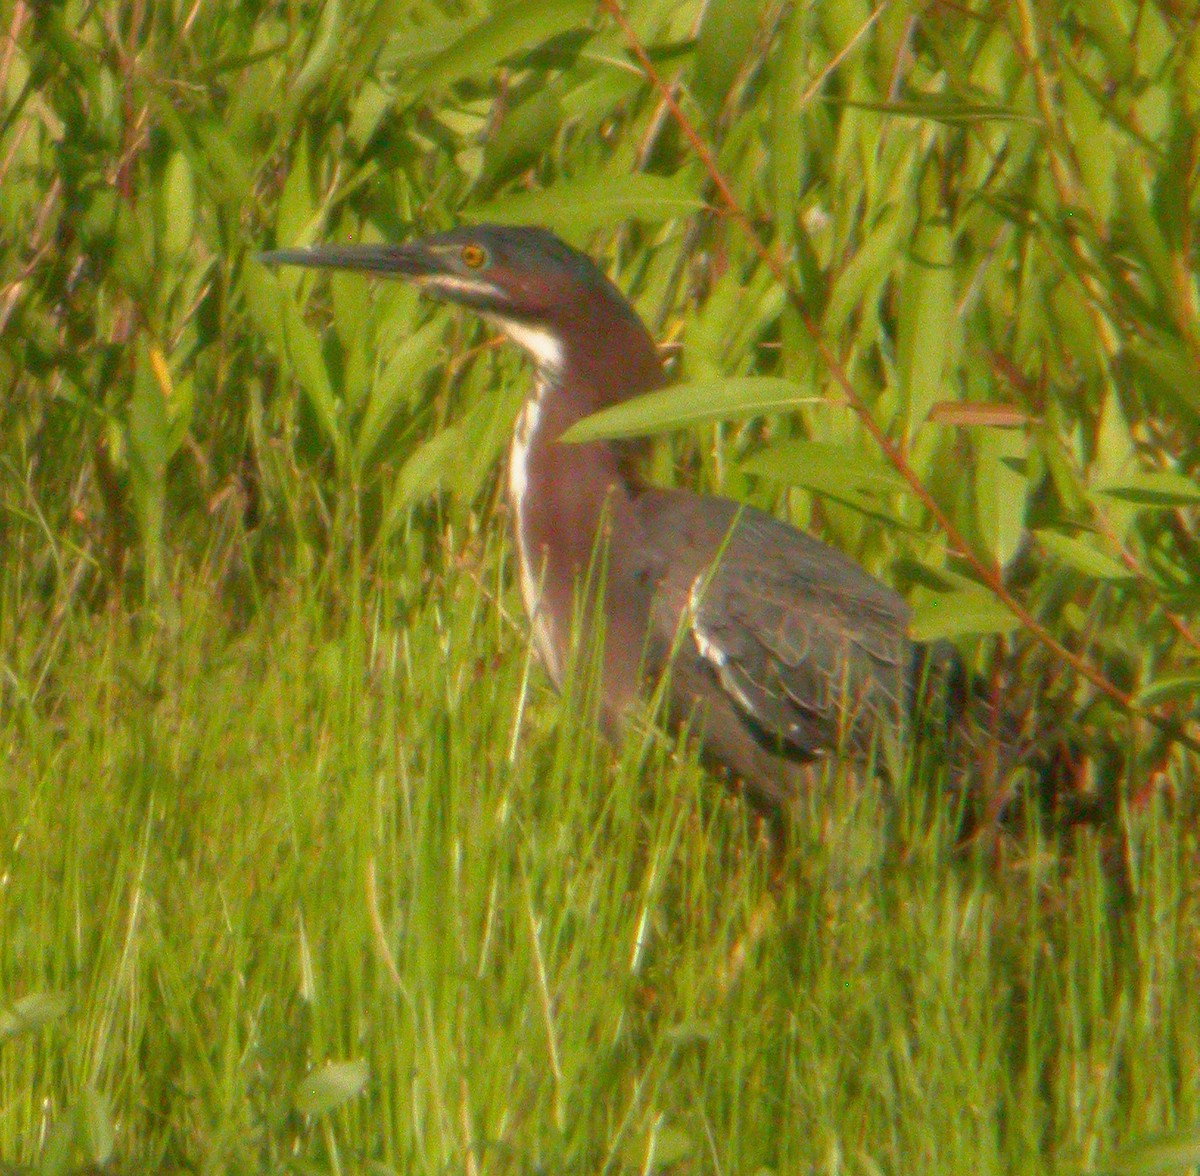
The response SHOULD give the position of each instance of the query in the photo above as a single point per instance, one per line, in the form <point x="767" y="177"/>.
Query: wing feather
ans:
<point x="810" y="647"/>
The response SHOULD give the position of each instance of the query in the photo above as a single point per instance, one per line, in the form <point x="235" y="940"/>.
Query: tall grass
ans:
<point x="299" y="896"/>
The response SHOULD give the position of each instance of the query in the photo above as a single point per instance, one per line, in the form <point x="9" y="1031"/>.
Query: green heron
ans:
<point x="780" y="649"/>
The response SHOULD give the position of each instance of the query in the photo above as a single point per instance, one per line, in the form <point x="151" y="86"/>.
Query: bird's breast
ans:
<point x="531" y="557"/>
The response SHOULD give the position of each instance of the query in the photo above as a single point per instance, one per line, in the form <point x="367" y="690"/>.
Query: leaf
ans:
<point x="393" y="388"/>
<point x="295" y="219"/>
<point x="96" y="1126"/>
<point x="1183" y="688"/>
<point x="966" y="611"/>
<point x="177" y="196"/>
<point x="865" y="273"/>
<point x="965" y="414"/>
<point x="31" y="1013"/>
<point x="1001" y="489"/>
<point x="788" y="73"/>
<point x="458" y="457"/>
<point x="1157" y="488"/>
<point x="1082" y="556"/>
<point x="1145" y="233"/>
<point x="926" y="328"/>
<point x="332" y="1085"/>
<point x="839" y="472"/>
<point x="689" y="404"/>
<point x="327" y="44"/>
<point x="431" y="465"/>
<point x="513" y="29"/>
<point x="148" y="431"/>
<point x="520" y="139"/>
<point x="725" y="39"/>
<point x="942" y="108"/>
<point x="1163" y="1155"/>
<point x="276" y="314"/>
<point x="577" y="206"/>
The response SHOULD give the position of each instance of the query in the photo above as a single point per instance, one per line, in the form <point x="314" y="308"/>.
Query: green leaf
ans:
<point x="329" y="1087"/>
<point x="1155" y="488"/>
<point x="1145" y="233"/>
<point x="840" y="472"/>
<point x="965" y="611"/>
<point x="689" y="404"/>
<point x="576" y="207"/>
<point x="148" y="432"/>
<point x="177" y="197"/>
<point x="1082" y="556"/>
<point x="926" y="329"/>
<point x="393" y="388"/>
<point x="1182" y="688"/>
<point x="1163" y="1155"/>
<point x="276" y="314"/>
<point x="31" y="1013"/>
<point x="427" y="470"/>
<point x="96" y="1126"/>
<point x="296" y="221"/>
<point x="942" y="108"/>
<point x="864" y="274"/>
<point x="725" y="39"/>
<point x="788" y="73"/>
<point x="327" y="44"/>
<point x="458" y="457"/>
<point x="1001" y="488"/>
<point x="513" y="29"/>
<point x="520" y="139"/>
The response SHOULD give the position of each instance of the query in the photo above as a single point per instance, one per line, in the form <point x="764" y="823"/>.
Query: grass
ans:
<point x="297" y="894"/>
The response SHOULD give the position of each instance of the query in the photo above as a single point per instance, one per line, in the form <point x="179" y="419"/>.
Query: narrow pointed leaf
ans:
<point x="689" y="404"/>
<point x="1079" y="554"/>
<point x="576" y="207"/>
<point x="513" y="29"/>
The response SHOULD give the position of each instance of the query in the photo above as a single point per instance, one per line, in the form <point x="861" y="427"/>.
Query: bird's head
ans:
<point x="544" y="295"/>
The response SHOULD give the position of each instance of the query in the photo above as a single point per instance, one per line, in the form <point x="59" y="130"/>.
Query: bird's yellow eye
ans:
<point x="474" y="256"/>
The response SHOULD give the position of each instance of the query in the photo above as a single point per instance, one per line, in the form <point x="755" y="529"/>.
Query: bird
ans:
<point x="771" y="647"/>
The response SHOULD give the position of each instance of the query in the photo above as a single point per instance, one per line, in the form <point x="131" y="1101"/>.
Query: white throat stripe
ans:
<point x="544" y="346"/>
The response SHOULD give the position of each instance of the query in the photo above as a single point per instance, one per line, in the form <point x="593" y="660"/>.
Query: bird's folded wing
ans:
<point x="809" y="646"/>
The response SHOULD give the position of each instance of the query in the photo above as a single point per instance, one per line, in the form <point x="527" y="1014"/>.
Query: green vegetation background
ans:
<point x="303" y="867"/>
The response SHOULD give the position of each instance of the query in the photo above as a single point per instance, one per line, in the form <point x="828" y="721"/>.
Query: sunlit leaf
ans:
<point x="511" y="29"/>
<point x="1001" y="488"/>
<point x="942" y="108"/>
<point x="1081" y="555"/>
<point x="689" y="404"/>
<point x="96" y="1124"/>
<point x="926" y="329"/>
<point x="394" y="388"/>
<point x="328" y="1087"/>
<point x="1164" y="1155"/>
<point x="576" y="207"/>
<point x="31" y="1013"/>
<point x="967" y="611"/>
<point x="323" y="52"/>
<point x="1155" y="488"/>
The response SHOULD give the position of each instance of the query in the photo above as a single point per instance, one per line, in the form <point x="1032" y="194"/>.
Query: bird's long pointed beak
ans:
<point x="412" y="260"/>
